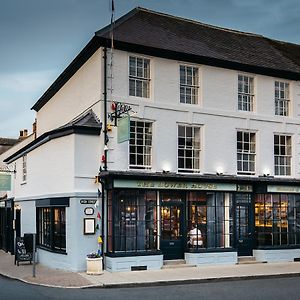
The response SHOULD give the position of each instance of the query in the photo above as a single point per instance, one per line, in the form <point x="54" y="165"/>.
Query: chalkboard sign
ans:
<point x="22" y="254"/>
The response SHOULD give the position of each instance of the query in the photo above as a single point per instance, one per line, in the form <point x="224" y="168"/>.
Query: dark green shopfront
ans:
<point x="176" y="216"/>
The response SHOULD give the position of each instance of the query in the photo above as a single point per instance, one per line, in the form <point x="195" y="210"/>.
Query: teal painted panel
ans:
<point x="123" y="129"/>
<point x="5" y="182"/>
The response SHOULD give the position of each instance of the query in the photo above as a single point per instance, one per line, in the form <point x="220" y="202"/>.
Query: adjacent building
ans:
<point x="176" y="140"/>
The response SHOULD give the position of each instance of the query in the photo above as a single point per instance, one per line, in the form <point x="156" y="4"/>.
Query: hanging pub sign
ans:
<point x="118" y="111"/>
<point x="5" y="182"/>
<point x="124" y="129"/>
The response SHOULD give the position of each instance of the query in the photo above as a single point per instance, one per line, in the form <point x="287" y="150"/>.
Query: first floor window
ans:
<point x="139" y="77"/>
<point x="246" y="152"/>
<point x="210" y="220"/>
<point x="132" y="221"/>
<point x="282" y="154"/>
<point x="24" y="168"/>
<point x="51" y="228"/>
<point x="140" y="145"/>
<point x="277" y="219"/>
<point x="188" y="148"/>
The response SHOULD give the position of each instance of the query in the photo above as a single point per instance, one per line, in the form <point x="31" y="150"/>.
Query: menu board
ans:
<point x="21" y="253"/>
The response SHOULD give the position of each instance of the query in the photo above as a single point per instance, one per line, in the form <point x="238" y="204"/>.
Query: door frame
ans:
<point x="180" y="242"/>
<point x="250" y="238"/>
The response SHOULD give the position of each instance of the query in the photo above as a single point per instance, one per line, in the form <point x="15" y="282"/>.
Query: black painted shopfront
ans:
<point x="6" y="225"/>
<point x="172" y="217"/>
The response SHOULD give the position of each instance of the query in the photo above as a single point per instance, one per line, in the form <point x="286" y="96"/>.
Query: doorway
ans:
<point x="244" y="225"/>
<point x="172" y="225"/>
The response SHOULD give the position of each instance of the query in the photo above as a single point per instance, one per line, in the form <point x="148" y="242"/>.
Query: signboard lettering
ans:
<point x="174" y="185"/>
<point x="21" y="253"/>
<point x="88" y="201"/>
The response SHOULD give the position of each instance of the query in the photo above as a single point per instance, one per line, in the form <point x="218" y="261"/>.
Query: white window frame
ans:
<point x="246" y="152"/>
<point x="24" y="168"/>
<point x="283" y="159"/>
<point x="245" y="92"/>
<point x="139" y="76"/>
<point x="141" y="145"/>
<point x="185" y="146"/>
<point x="282" y="98"/>
<point x="189" y="83"/>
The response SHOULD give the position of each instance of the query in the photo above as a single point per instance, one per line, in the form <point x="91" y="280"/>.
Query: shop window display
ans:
<point x="277" y="219"/>
<point x="209" y="223"/>
<point x="132" y="222"/>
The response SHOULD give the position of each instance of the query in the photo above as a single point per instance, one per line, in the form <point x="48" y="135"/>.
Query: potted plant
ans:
<point x="94" y="264"/>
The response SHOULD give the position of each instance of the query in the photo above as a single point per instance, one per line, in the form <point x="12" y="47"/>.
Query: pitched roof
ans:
<point x="8" y="141"/>
<point x="161" y="31"/>
<point x="152" y="33"/>
<point x="86" y="123"/>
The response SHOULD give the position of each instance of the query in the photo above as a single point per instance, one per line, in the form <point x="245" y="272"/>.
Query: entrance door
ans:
<point x="172" y="239"/>
<point x="244" y="225"/>
<point x="18" y="223"/>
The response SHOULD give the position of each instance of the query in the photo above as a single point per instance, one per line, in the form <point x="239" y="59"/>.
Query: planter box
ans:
<point x="94" y="266"/>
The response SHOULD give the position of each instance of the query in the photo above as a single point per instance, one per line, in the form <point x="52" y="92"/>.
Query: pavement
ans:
<point x="179" y="275"/>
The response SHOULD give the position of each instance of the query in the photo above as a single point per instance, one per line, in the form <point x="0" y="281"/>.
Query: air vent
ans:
<point x="138" y="268"/>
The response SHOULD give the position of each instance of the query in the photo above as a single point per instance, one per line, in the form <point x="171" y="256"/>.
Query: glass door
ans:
<point x="244" y="225"/>
<point x="172" y="229"/>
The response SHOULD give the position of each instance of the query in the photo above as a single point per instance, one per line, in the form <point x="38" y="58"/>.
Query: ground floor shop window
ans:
<point x="51" y="228"/>
<point x="209" y="220"/>
<point x="132" y="221"/>
<point x="277" y="219"/>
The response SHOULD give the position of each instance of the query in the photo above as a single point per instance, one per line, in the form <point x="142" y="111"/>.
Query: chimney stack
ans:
<point x="23" y="134"/>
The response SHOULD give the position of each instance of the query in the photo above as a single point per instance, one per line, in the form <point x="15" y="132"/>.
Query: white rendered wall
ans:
<point x="79" y="93"/>
<point x="216" y="113"/>
<point x="65" y="165"/>
<point x="28" y="216"/>
<point x="87" y="162"/>
<point x="50" y="170"/>
<point x="276" y="255"/>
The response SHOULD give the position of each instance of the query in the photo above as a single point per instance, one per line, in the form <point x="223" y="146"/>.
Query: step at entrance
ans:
<point x="176" y="263"/>
<point x="248" y="260"/>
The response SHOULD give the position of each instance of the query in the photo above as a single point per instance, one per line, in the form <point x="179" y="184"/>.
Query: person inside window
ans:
<point x="195" y="237"/>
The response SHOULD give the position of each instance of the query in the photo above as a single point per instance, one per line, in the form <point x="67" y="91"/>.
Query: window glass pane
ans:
<point x="245" y="93"/>
<point x="139" y="77"/>
<point x="189" y="84"/>
<point x="188" y="148"/>
<point x="135" y="221"/>
<point x="52" y="228"/>
<point x="140" y="144"/>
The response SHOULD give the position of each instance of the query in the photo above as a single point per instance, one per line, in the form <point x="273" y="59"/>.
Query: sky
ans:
<point x="39" y="38"/>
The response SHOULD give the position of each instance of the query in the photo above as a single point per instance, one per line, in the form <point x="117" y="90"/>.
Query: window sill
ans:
<point x="215" y="250"/>
<point x="140" y="168"/>
<point x="279" y="247"/>
<point x="141" y="253"/>
<point x="188" y="172"/>
<point x="52" y="250"/>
